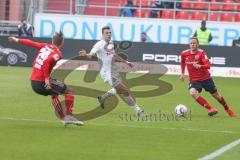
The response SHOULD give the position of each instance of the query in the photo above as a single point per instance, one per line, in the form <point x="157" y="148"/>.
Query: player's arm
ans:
<point x="183" y="65"/>
<point x="46" y="72"/>
<point x="83" y="53"/>
<point x="120" y="59"/>
<point x="92" y="53"/>
<point x="26" y="42"/>
<point x="46" y="68"/>
<point x="205" y="60"/>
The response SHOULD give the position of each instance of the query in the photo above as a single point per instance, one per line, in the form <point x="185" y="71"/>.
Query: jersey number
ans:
<point x="42" y="56"/>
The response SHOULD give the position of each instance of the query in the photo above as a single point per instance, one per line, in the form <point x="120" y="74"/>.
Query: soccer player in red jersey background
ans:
<point x="198" y="66"/>
<point x="47" y="57"/>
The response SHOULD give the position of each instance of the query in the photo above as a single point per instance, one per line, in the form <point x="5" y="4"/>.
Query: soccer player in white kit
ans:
<point x="104" y="50"/>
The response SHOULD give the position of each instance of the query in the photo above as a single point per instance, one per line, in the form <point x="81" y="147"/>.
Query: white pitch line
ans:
<point x="206" y="130"/>
<point x="221" y="150"/>
<point x="167" y="128"/>
<point x="122" y="125"/>
<point x="26" y="119"/>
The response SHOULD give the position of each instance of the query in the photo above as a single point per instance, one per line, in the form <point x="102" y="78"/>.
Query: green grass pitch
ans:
<point x="29" y="129"/>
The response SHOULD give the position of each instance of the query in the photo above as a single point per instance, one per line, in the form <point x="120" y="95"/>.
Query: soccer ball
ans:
<point x="181" y="110"/>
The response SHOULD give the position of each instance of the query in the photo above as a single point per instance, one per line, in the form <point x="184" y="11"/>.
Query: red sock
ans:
<point x="223" y="102"/>
<point x="203" y="102"/>
<point x="57" y="106"/>
<point x="69" y="99"/>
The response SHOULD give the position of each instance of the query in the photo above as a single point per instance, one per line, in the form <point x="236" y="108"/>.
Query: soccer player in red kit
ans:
<point x="197" y="65"/>
<point x="47" y="57"/>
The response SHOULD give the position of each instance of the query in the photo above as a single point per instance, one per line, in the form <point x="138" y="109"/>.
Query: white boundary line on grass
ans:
<point x="26" y="119"/>
<point x="168" y="128"/>
<point x="123" y="125"/>
<point x="221" y="150"/>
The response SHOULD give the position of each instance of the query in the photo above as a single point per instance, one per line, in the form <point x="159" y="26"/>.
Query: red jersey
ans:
<point x="199" y="57"/>
<point x="46" y="59"/>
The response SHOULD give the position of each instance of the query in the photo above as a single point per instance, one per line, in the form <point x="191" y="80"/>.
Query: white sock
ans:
<point x="109" y="93"/>
<point x="130" y="101"/>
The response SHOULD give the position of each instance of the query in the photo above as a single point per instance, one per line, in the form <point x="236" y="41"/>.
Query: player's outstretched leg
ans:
<point x="195" y="94"/>
<point x="222" y="101"/>
<point x="109" y="93"/>
<point x="122" y="89"/>
<point x="57" y="106"/>
<point x="69" y="101"/>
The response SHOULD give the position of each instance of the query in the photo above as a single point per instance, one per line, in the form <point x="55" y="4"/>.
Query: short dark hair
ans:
<point x="104" y="28"/>
<point x="195" y="39"/>
<point x="57" y="39"/>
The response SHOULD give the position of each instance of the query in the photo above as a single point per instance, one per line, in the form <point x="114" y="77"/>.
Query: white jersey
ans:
<point x="108" y="70"/>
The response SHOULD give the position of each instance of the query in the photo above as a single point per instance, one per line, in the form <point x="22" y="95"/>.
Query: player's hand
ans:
<point x="47" y="84"/>
<point x="196" y="65"/>
<point x="129" y="64"/>
<point x="182" y="77"/>
<point x="82" y="53"/>
<point x="13" y="39"/>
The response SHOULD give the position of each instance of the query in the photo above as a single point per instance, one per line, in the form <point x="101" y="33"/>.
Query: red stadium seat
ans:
<point x="200" y="5"/>
<point x="215" y="6"/>
<point x="237" y="17"/>
<point x="228" y="5"/>
<point x="182" y="15"/>
<point x="166" y="14"/>
<point x="186" y="4"/>
<point x="112" y="11"/>
<point x="213" y="16"/>
<point x="94" y="11"/>
<point x="226" y="17"/>
<point x="143" y="4"/>
<point x="198" y="16"/>
<point x="123" y="2"/>
<point x="238" y="7"/>
<point x="143" y="14"/>
<point x="60" y="7"/>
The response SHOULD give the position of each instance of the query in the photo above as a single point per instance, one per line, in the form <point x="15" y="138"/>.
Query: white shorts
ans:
<point x="113" y="79"/>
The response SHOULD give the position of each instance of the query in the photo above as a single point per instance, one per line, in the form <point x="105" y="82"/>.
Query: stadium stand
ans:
<point x="215" y="6"/>
<point x="213" y="16"/>
<point x="237" y="17"/>
<point x="238" y="7"/>
<point x="228" y="17"/>
<point x="60" y="7"/>
<point x="198" y="16"/>
<point x="142" y="13"/>
<point x="183" y="15"/>
<point x="200" y="4"/>
<point x="143" y="3"/>
<point x="211" y="10"/>
<point x="167" y="14"/>
<point x="96" y="7"/>
<point x="228" y="5"/>
<point x="186" y="4"/>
